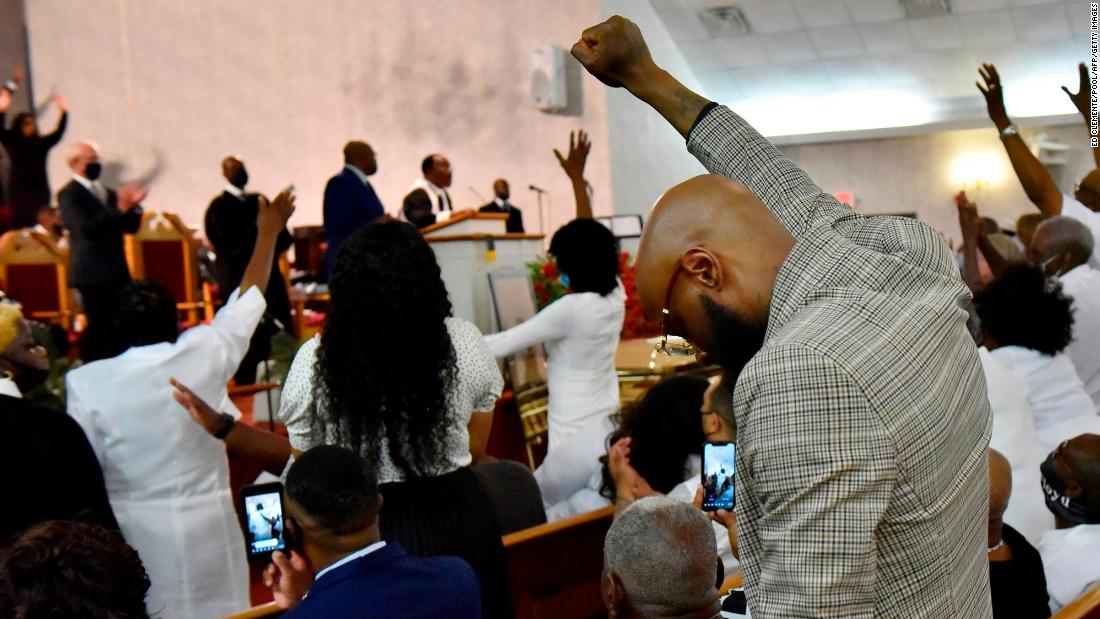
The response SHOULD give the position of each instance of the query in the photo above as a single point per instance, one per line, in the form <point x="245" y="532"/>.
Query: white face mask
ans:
<point x="1043" y="265"/>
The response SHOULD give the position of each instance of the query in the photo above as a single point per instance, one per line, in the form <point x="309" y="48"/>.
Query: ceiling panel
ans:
<point x="788" y="47"/>
<point x="871" y="11"/>
<point x="1042" y="23"/>
<point x="768" y="16"/>
<point x="987" y="27"/>
<point x="822" y="13"/>
<point x="969" y="6"/>
<point x="935" y="33"/>
<point x="741" y="51"/>
<point x="837" y="42"/>
<point x="852" y="73"/>
<point x="886" y="38"/>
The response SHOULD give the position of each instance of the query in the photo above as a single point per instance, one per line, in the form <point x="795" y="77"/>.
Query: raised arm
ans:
<point x="969" y="224"/>
<point x="270" y="223"/>
<point x="574" y="169"/>
<point x="1033" y="175"/>
<point x="1082" y="100"/>
<point x="54" y="136"/>
<point x="553" y="323"/>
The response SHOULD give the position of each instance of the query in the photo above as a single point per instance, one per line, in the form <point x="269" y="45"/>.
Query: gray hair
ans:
<point x="1069" y="235"/>
<point x="664" y="553"/>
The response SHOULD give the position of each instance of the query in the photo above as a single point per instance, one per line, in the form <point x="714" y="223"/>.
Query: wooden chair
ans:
<point x="34" y="271"/>
<point x="165" y="251"/>
<point x="554" y="569"/>
<point x="266" y="611"/>
<point x="1085" y="607"/>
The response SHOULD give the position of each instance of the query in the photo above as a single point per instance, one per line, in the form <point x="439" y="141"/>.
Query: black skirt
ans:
<point x="449" y="515"/>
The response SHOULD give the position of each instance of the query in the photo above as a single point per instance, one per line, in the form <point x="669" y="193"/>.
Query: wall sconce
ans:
<point x="974" y="171"/>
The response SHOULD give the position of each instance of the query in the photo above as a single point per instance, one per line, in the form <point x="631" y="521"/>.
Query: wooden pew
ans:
<point x="554" y="569"/>
<point x="266" y="611"/>
<point x="1085" y="607"/>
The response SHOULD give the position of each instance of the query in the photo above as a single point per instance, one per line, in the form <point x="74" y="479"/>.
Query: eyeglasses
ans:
<point x="678" y="347"/>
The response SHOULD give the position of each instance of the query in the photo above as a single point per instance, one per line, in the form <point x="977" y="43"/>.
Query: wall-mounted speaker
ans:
<point x="548" y="89"/>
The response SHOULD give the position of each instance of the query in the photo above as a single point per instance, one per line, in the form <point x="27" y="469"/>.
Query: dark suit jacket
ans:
<point x="50" y="471"/>
<point x="349" y="204"/>
<point x="515" y="217"/>
<point x="95" y="236"/>
<point x="231" y="227"/>
<point x="389" y="583"/>
<point x="419" y="207"/>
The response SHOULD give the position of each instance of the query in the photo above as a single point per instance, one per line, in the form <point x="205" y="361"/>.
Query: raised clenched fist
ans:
<point x="614" y="52"/>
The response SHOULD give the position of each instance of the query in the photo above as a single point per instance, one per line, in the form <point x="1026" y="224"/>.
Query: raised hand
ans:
<point x="17" y="76"/>
<point x="273" y="216"/>
<point x="60" y="103"/>
<point x="578" y="155"/>
<point x="1082" y="99"/>
<point x="994" y="95"/>
<point x="199" y="410"/>
<point x="615" y="53"/>
<point x="5" y="99"/>
<point x="969" y="221"/>
<point x="130" y="197"/>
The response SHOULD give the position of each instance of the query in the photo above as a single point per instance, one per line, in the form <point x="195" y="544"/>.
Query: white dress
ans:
<point x="581" y="335"/>
<point x="1015" y="437"/>
<point x="1062" y="408"/>
<point x="477" y="387"/>
<point x="1083" y="284"/>
<point x="167" y="479"/>
<point x="1070" y="562"/>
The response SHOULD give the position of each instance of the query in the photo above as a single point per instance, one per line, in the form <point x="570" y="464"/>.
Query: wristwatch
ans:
<point x="227" y="424"/>
<point x="1008" y="132"/>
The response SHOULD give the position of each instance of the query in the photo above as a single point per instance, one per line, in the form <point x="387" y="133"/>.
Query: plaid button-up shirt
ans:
<point x="863" y="422"/>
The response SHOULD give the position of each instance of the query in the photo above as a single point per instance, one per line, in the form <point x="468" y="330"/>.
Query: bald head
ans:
<point x="1000" y="484"/>
<point x="81" y="154"/>
<point x="234" y="171"/>
<point x="651" y="539"/>
<point x="359" y="154"/>
<point x="1065" y="242"/>
<point x="724" y="247"/>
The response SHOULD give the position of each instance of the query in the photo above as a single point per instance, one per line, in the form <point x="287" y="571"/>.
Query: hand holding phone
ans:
<point x="719" y="489"/>
<point x="265" y="525"/>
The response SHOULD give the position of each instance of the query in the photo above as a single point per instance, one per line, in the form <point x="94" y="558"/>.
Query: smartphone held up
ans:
<point x="719" y="491"/>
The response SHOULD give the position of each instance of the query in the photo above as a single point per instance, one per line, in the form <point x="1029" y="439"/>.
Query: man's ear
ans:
<point x="614" y="596"/>
<point x="701" y="265"/>
<point x="1074" y="490"/>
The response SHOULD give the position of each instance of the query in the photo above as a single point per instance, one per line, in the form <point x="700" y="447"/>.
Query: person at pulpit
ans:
<point x="231" y="228"/>
<point x="168" y="482"/>
<point x="97" y="218"/>
<point x="350" y="200"/>
<point x="581" y="335"/>
<point x="500" y="204"/>
<point x="428" y="197"/>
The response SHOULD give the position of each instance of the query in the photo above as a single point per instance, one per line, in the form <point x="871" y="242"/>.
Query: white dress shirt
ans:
<point x="10" y="389"/>
<point x="167" y="479"/>
<point x="1015" y="437"/>
<point x="94" y="187"/>
<point x="1070" y="562"/>
<point x="1075" y="210"/>
<point x="476" y="389"/>
<point x="1083" y="284"/>
<point x="1058" y="400"/>
<point x="234" y="191"/>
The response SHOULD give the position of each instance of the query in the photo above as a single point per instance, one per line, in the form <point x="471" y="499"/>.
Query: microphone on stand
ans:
<point x="479" y="196"/>
<point x="540" y="192"/>
<point x="537" y="189"/>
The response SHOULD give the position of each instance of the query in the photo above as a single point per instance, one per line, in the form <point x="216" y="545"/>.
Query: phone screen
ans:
<point x="718" y="476"/>
<point x="265" y="530"/>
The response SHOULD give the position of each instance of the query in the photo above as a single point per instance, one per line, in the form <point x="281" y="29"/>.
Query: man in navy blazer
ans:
<point x="350" y="200"/>
<point x="332" y="504"/>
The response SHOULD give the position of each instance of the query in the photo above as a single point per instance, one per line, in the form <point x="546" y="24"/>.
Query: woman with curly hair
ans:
<point x="72" y="569"/>
<point x="395" y="377"/>
<point x="1027" y="323"/>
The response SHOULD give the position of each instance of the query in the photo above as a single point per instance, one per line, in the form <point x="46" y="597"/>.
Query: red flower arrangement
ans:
<point x="544" y="278"/>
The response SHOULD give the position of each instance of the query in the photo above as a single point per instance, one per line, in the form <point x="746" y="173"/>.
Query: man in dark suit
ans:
<point x="350" y="201"/>
<point x="500" y="204"/>
<point x="231" y="228"/>
<point x="53" y="474"/>
<point x="97" y="217"/>
<point x="332" y="505"/>
<point x="428" y="196"/>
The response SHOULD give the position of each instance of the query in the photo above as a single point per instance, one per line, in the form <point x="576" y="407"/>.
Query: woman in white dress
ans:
<point x="1027" y="323"/>
<point x="581" y="334"/>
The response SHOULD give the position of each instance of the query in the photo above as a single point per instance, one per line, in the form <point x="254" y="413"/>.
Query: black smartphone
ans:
<point x="718" y="476"/>
<point x="265" y="524"/>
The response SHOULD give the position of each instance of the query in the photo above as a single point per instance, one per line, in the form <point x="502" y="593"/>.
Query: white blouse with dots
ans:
<point x="477" y="387"/>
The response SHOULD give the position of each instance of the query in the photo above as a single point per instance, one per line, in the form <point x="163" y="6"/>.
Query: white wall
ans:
<point x="647" y="155"/>
<point x="914" y="174"/>
<point x="172" y="87"/>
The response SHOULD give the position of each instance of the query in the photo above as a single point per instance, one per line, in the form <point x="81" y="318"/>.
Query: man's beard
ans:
<point x="733" y="341"/>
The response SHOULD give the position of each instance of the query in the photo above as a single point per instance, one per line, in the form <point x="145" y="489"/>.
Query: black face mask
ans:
<point x="1062" y="506"/>
<point x="239" y="179"/>
<point x="93" y="170"/>
<point x="734" y="341"/>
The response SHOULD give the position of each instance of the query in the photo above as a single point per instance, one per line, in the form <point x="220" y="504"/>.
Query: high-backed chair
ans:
<point x="34" y="271"/>
<point x="554" y="569"/>
<point x="165" y="251"/>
